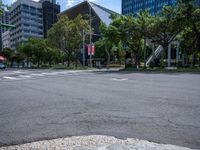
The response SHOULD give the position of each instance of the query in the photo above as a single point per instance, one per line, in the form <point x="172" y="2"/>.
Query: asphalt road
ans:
<point x="45" y="104"/>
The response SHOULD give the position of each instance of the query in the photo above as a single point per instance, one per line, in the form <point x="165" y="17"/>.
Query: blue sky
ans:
<point x="114" y="5"/>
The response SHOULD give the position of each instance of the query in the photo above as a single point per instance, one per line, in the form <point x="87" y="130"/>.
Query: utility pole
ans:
<point x="83" y="48"/>
<point x="90" y="36"/>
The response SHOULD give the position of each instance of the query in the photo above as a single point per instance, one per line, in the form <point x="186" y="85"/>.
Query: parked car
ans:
<point x="2" y="66"/>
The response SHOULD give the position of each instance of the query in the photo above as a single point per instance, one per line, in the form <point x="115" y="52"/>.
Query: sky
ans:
<point x="114" y="5"/>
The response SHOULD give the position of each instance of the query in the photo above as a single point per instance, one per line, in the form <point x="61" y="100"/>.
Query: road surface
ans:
<point x="45" y="104"/>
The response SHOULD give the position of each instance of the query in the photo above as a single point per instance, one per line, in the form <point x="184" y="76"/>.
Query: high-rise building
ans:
<point x="4" y="18"/>
<point x="197" y="2"/>
<point x="6" y="39"/>
<point x="27" y="16"/>
<point x="132" y="7"/>
<point x="51" y="1"/>
<point x="50" y="11"/>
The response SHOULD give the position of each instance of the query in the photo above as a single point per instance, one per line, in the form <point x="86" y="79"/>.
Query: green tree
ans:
<point x="7" y="53"/>
<point x="26" y="49"/>
<point x="108" y="40"/>
<point x="66" y="35"/>
<point x="18" y="57"/>
<point x="166" y="27"/>
<point x="39" y="50"/>
<point x="144" y="22"/>
<point x="191" y="33"/>
<point x="34" y="50"/>
<point x="130" y="35"/>
<point x="3" y="7"/>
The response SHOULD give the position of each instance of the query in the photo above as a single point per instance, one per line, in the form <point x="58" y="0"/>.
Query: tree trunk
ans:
<point x="193" y="60"/>
<point x="68" y="61"/>
<point x="38" y="64"/>
<point x="144" y="53"/>
<point x="27" y="62"/>
<point x="163" y="54"/>
<point x="108" y="56"/>
<point x="136" y="61"/>
<point x="199" y="62"/>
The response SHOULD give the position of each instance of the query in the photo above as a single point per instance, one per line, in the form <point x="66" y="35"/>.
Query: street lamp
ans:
<point x="91" y="36"/>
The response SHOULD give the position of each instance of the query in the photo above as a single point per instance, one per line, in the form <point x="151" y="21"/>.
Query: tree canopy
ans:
<point x="66" y="35"/>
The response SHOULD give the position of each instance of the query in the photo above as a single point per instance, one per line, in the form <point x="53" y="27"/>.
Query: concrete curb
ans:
<point x="95" y="142"/>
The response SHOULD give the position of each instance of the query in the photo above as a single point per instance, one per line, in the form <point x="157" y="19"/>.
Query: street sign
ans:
<point x="6" y="25"/>
<point x="89" y="49"/>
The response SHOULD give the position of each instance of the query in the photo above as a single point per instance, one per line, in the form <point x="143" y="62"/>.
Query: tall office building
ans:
<point x="197" y="2"/>
<point x="27" y="16"/>
<point x="134" y="6"/>
<point x="50" y="11"/>
<point x="6" y="39"/>
<point x="51" y="1"/>
<point x="4" y="18"/>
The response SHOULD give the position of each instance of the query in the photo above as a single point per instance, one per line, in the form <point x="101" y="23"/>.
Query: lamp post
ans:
<point x="91" y="36"/>
<point x="85" y="34"/>
<point x="83" y="48"/>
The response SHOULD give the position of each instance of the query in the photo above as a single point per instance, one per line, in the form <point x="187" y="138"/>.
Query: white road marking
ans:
<point x="10" y="78"/>
<point x="24" y="76"/>
<point x="117" y="79"/>
<point x="39" y="75"/>
<point x="50" y="74"/>
<point x="17" y="71"/>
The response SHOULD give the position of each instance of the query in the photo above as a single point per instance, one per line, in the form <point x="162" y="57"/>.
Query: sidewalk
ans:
<point x="95" y="142"/>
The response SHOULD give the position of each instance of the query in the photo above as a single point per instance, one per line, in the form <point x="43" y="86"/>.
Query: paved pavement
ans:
<point x="45" y="104"/>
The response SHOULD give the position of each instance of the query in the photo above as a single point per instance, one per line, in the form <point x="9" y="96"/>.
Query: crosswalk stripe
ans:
<point x="117" y="79"/>
<point x="51" y="73"/>
<point x="10" y="78"/>
<point x="39" y="75"/>
<point x="24" y="76"/>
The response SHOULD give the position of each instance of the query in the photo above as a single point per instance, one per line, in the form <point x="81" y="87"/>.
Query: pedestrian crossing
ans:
<point x="20" y="76"/>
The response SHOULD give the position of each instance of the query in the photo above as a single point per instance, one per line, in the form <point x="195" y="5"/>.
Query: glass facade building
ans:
<point x="50" y="12"/>
<point x="134" y="6"/>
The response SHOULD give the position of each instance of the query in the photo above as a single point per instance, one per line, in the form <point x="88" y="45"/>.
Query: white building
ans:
<point x="4" y="18"/>
<point x="27" y="16"/>
<point x="6" y="39"/>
